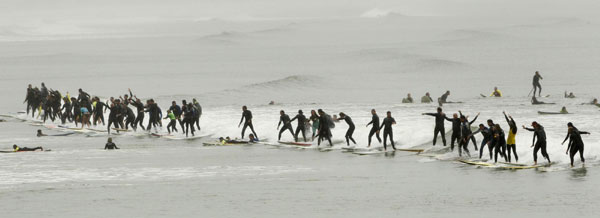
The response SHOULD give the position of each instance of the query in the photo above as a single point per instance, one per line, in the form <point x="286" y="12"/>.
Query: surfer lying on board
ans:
<point x="40" y="134"/>
<point x="534" y="101"/>
<point x="570" y="95"/>
<point x="17" y="148"/>
<point x="110" y="145"/>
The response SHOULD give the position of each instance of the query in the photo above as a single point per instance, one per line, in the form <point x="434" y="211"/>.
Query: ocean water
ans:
<point x="349" y="65"/>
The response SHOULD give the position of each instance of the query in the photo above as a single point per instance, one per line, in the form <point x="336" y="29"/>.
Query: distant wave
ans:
<point x="377" y="13"/>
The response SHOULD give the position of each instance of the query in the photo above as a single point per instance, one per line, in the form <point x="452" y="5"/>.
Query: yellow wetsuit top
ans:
<point x="496" y="93"/>
<point x="510" y="140"/>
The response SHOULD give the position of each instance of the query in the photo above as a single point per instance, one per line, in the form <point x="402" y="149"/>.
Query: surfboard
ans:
<point x="121" y="130"/>
<point x="411" y="150"/>
<point x="550" y="113"/>
<point x="159" y="135"/>
<point x="372" y="152"/>
<point x="296" y="143"/>
<point x="173" y="137"/>
<point x="64" y="134"/>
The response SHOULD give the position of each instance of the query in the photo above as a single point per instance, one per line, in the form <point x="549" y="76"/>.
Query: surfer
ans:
<point x="496" y="93"/>
<point x="375" y="127"/>
<point x="534" y="101"/>
<point x="247" y="115"/>
<point x="464" y="119"/>
<point x="439" y="125"/>
<point x="139" y="106"/>
<point x="510" y="140"/>
<point x="301" y="127"/>
<point x="444" y="99"/>
<point x="130" y="120"/>
<point x="500" y="146"/>
<point x="540" y="134"/>
<point x="110" y="145"/>
<point x="455" y="130"/>
<point x="85" y="116"/>
<point x="287" y="125"/>
<point x="465" y="131"/>
<point x="188" y="119"/>
<point x="386" y="125"/>
<point x="177" y="111"/>
<point x="198" y="113"/>
<point x="314" y="118"/>
<point x="172" y="123"/>
<point x="351" y="128"/>
<point x="575" y="142"/>
<point x="563" y="110"/>
<point x="536" y="83"/>
<point x="325" y="125"/>
<point x="487" y="136"/>
<point x="426" y="98"/>
<point x="408" y="99"/>
<point x="17" y="148"/>
<point x="98" y="111"/>
<point x="570" y="95"/>
<point x="40" y="134"/>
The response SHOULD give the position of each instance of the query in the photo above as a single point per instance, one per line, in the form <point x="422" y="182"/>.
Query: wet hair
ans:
<point x="439" y="109"/>
<point x="481" y="125"/>
<point x="570" y="124"/>
<point x="300" y="111"/>
<point x="109" y="139"/>
<point x="320" y="111"/>
<point x="281" y="111"/>
<point x="389" y="112"/>
<point x="342" y="114"/>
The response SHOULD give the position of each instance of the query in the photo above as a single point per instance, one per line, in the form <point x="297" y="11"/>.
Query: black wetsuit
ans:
<point x="301" y="127"/>
<point x="455" y="131"/>
<point x="153" y="111"/>
<point x="324" y="129"/>
<point x="115" y="111"/>
<point x="99" y="112"/>
<point x="439" y="127"/>
<point x="465" y="132"/>
<point x="110" y="146"/>
<point x="247" y="116"/>
<point x="139" y="119"/>
<point x="536" y="84"/>
<point x="386" y="125"/>
<point x="350" y="131"/>
<point x="130" y="118"/>
<point x="540" y="134"/>
<point x="197" y="114"/>
<point x="314" y="118"/>
<point x="500" y="147"/>
<point x="188" y="119"/>
<point x="287" y="125"/>
<point x="76" y="111"/>
<point x="374" y="128"/>
<point x="177" y="111"/>
<point x="67" y="114"/>
<point x="511" y="147"/>
<point x="575" y="144"/>
<point x="469" y="131"/>
<point x="487" y="137"/>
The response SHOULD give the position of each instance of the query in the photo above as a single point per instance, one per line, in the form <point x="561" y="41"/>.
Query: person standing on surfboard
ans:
<point x="198" y="113"/>
<point x="246" y="115"/>
<point x="314" y="118"/>
<point x="510" y="140"/>
<point x="301" y="125"/>
<point x="439" y="125"/>
<point x="469" y="123"/>
<point x="500" y="143"/>
<point x="374" y="128"/>
<point x="540" y="134"/>
<point x="188" y="119"/>
<point x="177" y="111"/>
<point x="172" y="123"/>
<point x="139" y="119"/>
<point x="287" y="125"/>
<point x="455" y="130"/>
<point x="351" y="128"/>
<point x="386" y="125"/>
<point x="536" y="83"/>
<point x="487" y="137"/>
<point x="575" y="142"/>
<point x="325" y="125"/>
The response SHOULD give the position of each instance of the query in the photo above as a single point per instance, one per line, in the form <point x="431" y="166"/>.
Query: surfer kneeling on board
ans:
<point x="40" y="134"/>
<point x="17" y="148"/>
<point x="110" y="145"/>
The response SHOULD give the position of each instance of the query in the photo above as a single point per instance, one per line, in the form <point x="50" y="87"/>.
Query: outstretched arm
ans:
<point x="474" y="119"/>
